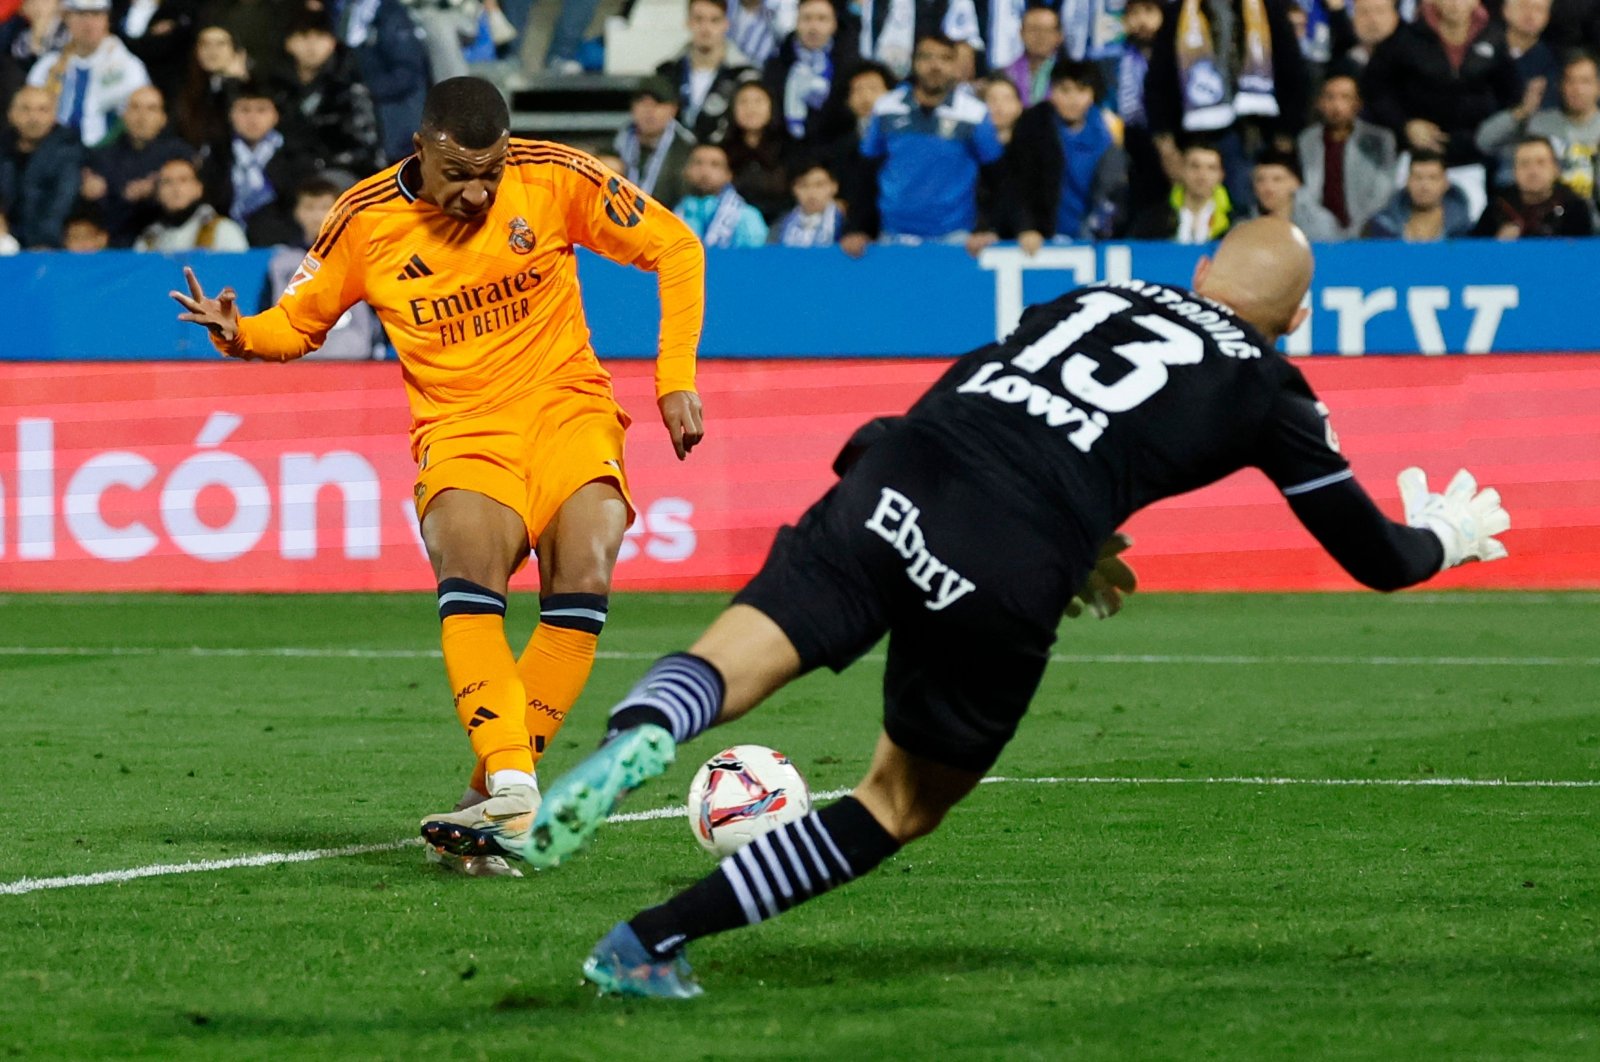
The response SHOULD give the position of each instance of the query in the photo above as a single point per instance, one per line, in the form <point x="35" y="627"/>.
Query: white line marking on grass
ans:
<point x="1206" y="659"/>
<point x="23" y="886"/>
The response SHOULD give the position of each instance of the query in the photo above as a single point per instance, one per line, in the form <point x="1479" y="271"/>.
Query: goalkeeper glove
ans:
<point x="1111" y="578"/>
<point x="1464" y="518"/>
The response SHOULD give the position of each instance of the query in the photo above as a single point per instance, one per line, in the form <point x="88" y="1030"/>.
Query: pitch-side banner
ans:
<point x="234" y="477"/>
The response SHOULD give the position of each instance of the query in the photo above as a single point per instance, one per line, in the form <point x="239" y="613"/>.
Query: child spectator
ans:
<point x="326" y="111"/>
<point x="713" y="208"/>
<point x="93" y="76"/>
<point x="40" y="167"/>
<point x="1429" y="208"/>
<point x="249" y="175"/>
<point x="816" y="220"/>
<point x="1538" y="204"/>
<point x="759" y="150"/>
<point x="187" y="222"/>
<point x="121" y="174"/>
<point x="1067" y="163"/>
<point x="357" y="336"/>
<point x="85" y="231"/>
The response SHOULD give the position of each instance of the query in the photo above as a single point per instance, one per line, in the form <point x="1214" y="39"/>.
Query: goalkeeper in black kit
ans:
<point x="965" y="530"/>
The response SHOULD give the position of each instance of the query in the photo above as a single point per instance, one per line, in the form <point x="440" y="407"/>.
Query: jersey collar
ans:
<point x="408" y="177"/>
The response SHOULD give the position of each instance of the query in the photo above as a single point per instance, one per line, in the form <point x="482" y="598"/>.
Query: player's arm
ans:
<point x="607" y="214"/>
<point x="1300" y="455"/>
<point x="328" y="283"/>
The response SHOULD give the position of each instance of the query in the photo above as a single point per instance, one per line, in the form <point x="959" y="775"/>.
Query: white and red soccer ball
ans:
<point x="742" y="792"/>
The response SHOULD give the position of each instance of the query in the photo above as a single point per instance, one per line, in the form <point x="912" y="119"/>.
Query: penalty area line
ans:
<point x="24" y="886"/>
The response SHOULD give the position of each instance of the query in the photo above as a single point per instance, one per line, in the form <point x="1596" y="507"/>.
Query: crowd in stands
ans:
<point x="176" y="124"/>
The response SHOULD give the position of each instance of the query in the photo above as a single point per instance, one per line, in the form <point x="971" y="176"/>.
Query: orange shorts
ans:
<point x="530" y="455"/>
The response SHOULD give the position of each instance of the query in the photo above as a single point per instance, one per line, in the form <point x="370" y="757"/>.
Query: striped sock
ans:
<point x="771" y="874"/>
<point x="681" y="693"/>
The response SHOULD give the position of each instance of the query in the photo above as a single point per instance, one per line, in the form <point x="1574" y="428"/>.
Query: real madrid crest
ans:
<point x="521" y="237"/>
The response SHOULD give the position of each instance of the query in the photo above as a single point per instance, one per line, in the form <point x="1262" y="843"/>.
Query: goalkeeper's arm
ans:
<point x="1441" y="530"/>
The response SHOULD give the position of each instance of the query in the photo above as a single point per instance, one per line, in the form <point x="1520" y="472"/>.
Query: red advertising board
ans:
<point x="233" y="477"/>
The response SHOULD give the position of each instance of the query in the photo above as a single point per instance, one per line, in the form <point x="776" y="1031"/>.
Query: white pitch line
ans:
<point x="23" y="886"/>
<point x="1204" y="659"/>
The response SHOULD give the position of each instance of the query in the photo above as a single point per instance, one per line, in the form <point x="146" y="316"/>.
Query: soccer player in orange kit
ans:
<point x="466" y="252"/>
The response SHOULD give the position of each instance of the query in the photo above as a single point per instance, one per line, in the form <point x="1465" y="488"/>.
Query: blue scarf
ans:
<point x="724" y="223"/>
<point x="628" y="149"/>
<point x="806" y="89"/>
<point x="251" y="189"/>
<point x="809" y="230"/>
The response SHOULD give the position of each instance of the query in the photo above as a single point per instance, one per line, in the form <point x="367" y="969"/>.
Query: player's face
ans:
<point x="865" y="91"/>
<point x="1534" y="170"/>
<point x="934" y="67"/>
<point x="311" y="48"/>
<point x="708" y="25"/>
<point x="462" y="182"/>
<point x="177" y="187"/>
<point x="253" y="118"/>
<point x="816" y="24"/>
<point x="1275" y="187"/>
<point x="1041" y="33"/>
<point x="1426" y="185"/>
<point x="707" y="172"/>
<point x="32" y="113"/>
<point x="814" y="190"/>
<point x="1580" y="87"/>
<point x="1339" y="102"/>
<point x="1071" y="101"/>
<point x="145" y="115"/>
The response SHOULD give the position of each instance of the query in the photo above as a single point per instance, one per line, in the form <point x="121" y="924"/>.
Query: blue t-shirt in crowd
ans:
<point x="928" y="185"/>
<point x="1081" y="150"/>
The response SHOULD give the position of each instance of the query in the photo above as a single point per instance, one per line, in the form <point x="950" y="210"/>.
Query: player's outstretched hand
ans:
<point x="680" y="412"/>
<point x="1464" y="518"/>
<point x="1111" y="579"/>
<point x="220" y="315"/>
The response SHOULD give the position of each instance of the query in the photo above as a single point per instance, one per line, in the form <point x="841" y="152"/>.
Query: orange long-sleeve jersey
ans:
<point x="483" y="314"/>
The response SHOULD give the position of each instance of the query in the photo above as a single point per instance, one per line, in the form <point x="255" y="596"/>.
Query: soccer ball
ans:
<point x="742" y="792"/>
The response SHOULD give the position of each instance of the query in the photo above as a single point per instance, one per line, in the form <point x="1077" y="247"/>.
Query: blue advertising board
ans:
<point x="1368" y="298"/>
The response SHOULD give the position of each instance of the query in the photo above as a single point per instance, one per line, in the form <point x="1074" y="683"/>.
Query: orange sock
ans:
<point x="483" y="676"/>
<point x="555" y="666"/>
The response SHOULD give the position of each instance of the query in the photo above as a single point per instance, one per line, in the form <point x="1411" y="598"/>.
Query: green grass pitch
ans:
<point x="1209" y="917"/>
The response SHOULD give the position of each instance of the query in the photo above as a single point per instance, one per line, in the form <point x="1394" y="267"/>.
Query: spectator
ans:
<point x="1041" y="47"/>
<point x="1199" y="209"/>
<point x="1429" y="208"/>
<point x="1357" y="27"/>
<point x="1574" y="127"/>
<point x="36" y="30"/>
<point x="869" y="83"/>
<point x="1068" y="168"/>
<point x="966" y="65"/>
<point x="249" y="175"/>
<point x="1147" y="181"/>
<point x="1281" y="193"/>
<point x="707" y="71"/>
<point x="759" y="151"/>
<point x="326" y="110"/>
<point x="40" y="164"/>
<point x="816" y="220"/>
<point x="892" y="29"/>
<point x="1000" y="95"/>
<point x="930" y="138"/>
<point x="393" y="63"/>
<point x="1525" y="23"/>
<point x="806" y="75"/>
<point x="93" y="76"/>
<point x="1348" y="164"/>
<point x="160" y="33"/>
<point x="653" y="146"/>
<point x="216" y="70"/>
<point x="713" y="208"/>
<point x="187" y="222"/>
<point x="1538" y="204"/>
<point x="255" y="27"/>
<point x="85" y="230"/>
<point x="1436" y="80"/>
<point x="1231" y="71"/>
<point x="121" y="175"/>
<point x="357" y="336"/>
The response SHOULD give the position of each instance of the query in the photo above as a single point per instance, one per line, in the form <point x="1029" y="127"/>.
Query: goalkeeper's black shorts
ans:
<point x="904" y="545"/>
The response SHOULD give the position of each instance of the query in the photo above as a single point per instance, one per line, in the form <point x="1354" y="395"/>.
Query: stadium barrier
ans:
<point x="1471" y="296"/>
<point x="227" y="476"/>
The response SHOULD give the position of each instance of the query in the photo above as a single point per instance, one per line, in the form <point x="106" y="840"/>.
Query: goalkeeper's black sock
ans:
<point x="771" y="874"/>
<point x="681" y="693"/>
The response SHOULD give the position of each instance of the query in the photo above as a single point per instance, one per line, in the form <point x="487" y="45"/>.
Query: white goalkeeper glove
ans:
<point x="1111" y="578"/>
<point x="1465" y="518"/>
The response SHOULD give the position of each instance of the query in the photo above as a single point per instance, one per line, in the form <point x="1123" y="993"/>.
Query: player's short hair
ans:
<point x="468" y="110"/>
<point x="1287" y="159"/>
<point x="1426" y="158"/>
<point x="1079" y="72"/>
<point x="1543" y="141"/>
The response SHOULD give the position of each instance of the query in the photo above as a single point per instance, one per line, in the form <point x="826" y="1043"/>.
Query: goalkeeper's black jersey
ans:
<point x="1117" y="395"/>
